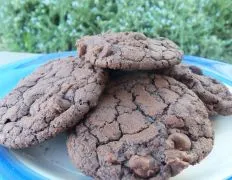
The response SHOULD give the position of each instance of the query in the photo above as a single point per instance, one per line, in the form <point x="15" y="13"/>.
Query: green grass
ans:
<point x="199" y="27"/>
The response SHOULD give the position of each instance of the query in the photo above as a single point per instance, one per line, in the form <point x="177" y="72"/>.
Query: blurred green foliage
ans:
<point x="199" y="27"/>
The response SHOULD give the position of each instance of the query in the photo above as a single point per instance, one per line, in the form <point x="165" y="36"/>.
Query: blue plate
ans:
<point x="49" y="160"/>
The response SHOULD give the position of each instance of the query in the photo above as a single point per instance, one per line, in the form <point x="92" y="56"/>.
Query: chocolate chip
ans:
<point x="180" y="141"/>
<point x="143" y="166"/>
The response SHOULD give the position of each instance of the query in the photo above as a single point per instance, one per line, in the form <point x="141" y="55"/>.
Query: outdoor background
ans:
<point x="200" y="27"/>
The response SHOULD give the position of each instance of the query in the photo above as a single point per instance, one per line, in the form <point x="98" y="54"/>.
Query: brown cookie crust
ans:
<point x="50" y="100"/>
<point x="129" y="51"/>
<point x="145" y="126"/>
<point x="216" y="96"/>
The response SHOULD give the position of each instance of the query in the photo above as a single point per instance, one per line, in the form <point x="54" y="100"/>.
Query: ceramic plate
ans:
<point x="49" y="160"/>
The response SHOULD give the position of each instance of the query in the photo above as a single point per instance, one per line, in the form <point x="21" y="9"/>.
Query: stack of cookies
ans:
<point x="132" y="110"/>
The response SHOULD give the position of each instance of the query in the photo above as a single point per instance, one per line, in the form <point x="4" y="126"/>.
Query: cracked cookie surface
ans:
<point x="50" y="100"/>
<point x="216" y="96"/>
<point x="145" y="126"/>
<point x="129" y="51"/>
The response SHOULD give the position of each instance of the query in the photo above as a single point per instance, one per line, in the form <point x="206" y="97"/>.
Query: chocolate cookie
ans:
<point x="145" y="126"/>
<point x="129" y="51"/>
<point x="215" y="95"/>
<point x="50" y="100"/>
